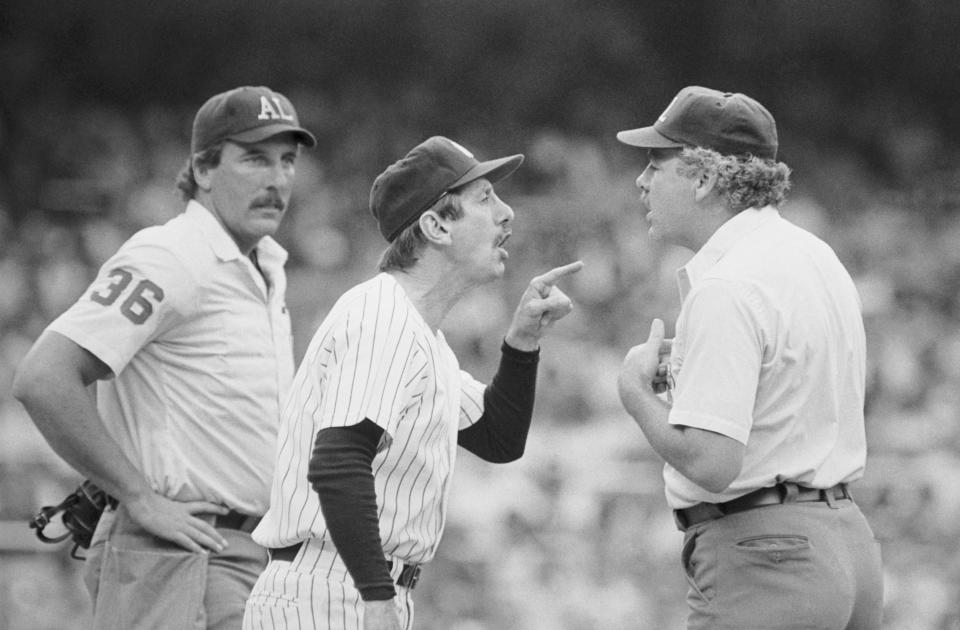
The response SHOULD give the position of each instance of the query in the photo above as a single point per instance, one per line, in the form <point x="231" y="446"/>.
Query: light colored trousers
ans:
<point x="138" y="581"/>
<point x="314" y="591"/>
<point x="789" y="566"/>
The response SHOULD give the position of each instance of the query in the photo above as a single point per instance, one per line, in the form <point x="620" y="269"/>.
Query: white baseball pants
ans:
<point x="314" y="592"/>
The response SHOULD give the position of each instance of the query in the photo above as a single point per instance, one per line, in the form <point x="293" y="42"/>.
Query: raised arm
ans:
<point x="707" y="458"/>
<point x="541" y="306"/>
<point x="500" y="435"/>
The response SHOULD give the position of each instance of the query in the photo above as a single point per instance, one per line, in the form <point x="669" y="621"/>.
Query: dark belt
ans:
<point x="408" y="577"/>
<point x="236" y="520"/>
<point x="786" y="492"/>
<point x="230" y="520"/>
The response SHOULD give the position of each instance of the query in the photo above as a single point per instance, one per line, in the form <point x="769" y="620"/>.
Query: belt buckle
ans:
<point x="409" y="576"/>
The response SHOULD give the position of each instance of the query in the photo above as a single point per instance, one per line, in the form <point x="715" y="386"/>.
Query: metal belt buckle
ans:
<point x="409" y="576"/>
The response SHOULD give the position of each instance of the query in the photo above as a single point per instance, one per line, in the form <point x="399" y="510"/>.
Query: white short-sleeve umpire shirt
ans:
<point x="200" y="348"/>
<point x="770" y="351"/>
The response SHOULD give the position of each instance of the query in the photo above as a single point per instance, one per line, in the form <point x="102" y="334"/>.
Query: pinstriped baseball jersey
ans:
<point x="374" y="357"/>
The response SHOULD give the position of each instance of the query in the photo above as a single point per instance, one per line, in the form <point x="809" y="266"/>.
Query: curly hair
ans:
<point x="402" y="252"/>
<point x="744" y="181"/>
<point x="186" y="183"/>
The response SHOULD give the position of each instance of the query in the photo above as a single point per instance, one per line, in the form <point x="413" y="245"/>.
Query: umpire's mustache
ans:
<point x="269" y="200"/>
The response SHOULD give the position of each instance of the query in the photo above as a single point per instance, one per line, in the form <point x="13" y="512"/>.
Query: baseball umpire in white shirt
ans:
<point x="186" y="334"/>
<point x="763" y="428"/>
<point x="379" y="405"/>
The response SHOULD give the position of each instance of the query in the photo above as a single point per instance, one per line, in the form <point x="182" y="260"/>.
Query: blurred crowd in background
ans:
<point x="576" y="535"/>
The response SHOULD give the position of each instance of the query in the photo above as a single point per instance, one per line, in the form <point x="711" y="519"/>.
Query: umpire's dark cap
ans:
<point x="729" y="123"/>
<point x="436" y="166"/>
<point x="246" y="114"/>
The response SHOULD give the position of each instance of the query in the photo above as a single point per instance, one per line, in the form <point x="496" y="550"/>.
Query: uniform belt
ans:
<point x="786" y="492"/>
<point x="231" y="520"/>
<point x="408" y="577"/>
<point x="236" y="520"/>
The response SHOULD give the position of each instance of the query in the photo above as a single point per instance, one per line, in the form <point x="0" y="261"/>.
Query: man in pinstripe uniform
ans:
<point x="379" y="405"/>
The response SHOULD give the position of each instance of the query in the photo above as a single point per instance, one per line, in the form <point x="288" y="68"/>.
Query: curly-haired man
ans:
<point x="762" y="424"/>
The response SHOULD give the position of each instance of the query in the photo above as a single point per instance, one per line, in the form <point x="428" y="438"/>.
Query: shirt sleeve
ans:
<point x="342" y="476"/>
<point x="721" y="350"/>
<point x="500" y="435"/>
<point x="374" y="361"/>
<point x="138" y="294"/>
<point x="471" y="399"/>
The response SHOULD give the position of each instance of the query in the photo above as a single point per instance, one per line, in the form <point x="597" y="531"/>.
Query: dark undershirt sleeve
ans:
<point x="341" y="474"/>
<point x="500" y="435"/>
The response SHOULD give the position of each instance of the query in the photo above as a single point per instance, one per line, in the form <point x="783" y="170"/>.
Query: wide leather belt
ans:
<point x="781" y="493"/>
<point x="408" y="577"/>
<point x="231" y="520"/>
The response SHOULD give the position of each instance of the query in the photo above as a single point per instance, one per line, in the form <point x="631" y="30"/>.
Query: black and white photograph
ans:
<point x="495" y="315"/>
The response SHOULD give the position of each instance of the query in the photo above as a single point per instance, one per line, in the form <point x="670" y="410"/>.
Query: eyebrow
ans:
<point x="250" y="149"/>
<point x="483" y="188"/>
<point x="661" y="155"/>
<point x="654" y="155"/>
<point x="255" y="150"/>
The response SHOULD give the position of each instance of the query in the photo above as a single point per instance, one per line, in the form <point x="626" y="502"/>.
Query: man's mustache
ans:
<point x="270" y="200"/>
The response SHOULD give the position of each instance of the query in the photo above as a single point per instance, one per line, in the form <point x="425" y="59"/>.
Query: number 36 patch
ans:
<point x="137" y="306"/>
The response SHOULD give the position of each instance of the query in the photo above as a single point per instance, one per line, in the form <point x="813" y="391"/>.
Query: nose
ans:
<point x="643" y="181"/>
<point x="506" y="213"/>
<point x="280" y="176"/>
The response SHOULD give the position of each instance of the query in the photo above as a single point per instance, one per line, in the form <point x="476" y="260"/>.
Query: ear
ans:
<point x="704" y="185"/>
<point x="434" y="228"/>
<point x="201" y="174"/>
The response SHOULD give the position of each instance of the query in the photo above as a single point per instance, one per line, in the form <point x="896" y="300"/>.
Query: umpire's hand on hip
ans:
<point x="541" y="304"/>
<point x="176" y="521"/>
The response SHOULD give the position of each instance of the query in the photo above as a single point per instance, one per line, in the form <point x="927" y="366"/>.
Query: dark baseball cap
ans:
<point x="436" y="166"/>
<point x="246" y="114"/>
<point x="729" y="123"/>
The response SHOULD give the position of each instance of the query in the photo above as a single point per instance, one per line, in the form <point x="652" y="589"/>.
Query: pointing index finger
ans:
<point x="545" y="281"/>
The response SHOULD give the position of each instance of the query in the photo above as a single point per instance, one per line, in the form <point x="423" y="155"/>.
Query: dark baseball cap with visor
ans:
<point x="246" y="114"/>
<point x="727" y="122"/>
<point x="412" y="185"/>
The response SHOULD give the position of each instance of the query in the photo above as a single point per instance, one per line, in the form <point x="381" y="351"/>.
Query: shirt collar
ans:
<point x="726" y="236"/>
<point x="223" y="245"/>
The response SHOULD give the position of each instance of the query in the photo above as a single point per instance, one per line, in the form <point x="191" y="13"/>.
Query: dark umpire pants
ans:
<point x="796" y="565"/>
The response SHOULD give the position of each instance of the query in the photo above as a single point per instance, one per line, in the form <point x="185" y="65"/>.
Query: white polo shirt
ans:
<point x="375" y="357"/>
<point x="770" y="351"/>
<point x="201" y="352"/>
